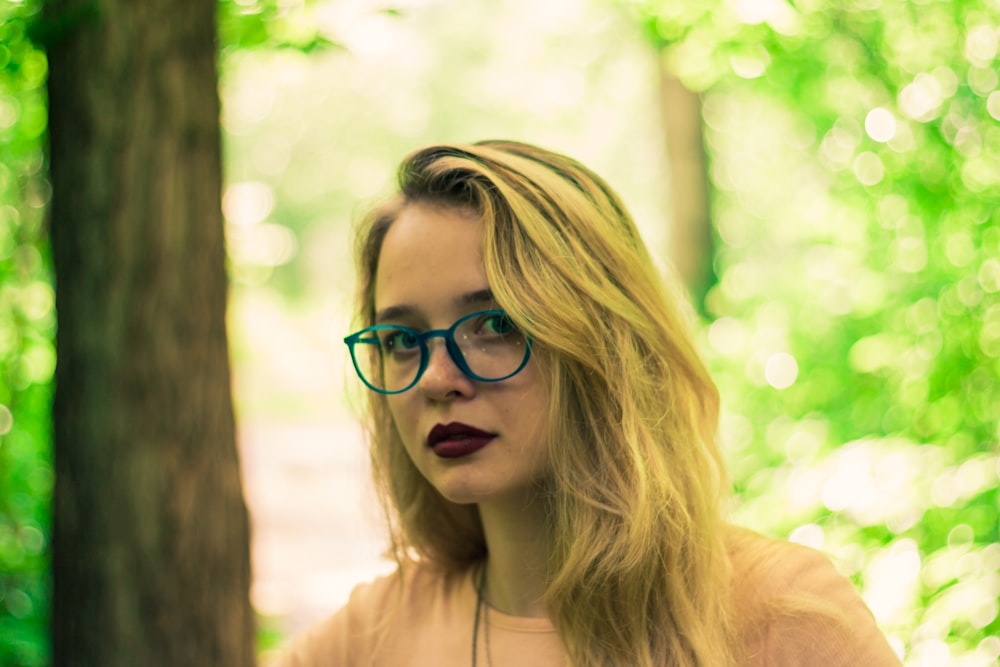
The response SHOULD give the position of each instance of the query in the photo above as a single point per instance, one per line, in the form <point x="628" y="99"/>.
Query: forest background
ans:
<point x="847" y="297"/>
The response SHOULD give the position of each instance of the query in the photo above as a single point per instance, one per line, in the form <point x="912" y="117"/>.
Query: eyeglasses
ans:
<point x="487" y="346"/>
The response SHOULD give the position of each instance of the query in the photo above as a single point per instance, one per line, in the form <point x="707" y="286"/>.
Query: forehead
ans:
<point x="430" y="255"/>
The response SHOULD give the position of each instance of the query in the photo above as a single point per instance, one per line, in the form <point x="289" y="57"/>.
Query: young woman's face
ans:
<point x="474" y="441"/>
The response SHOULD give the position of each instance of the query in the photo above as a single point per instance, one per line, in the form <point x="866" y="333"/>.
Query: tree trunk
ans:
<point x="150" y="545"/>
<point x="691" y="234"/>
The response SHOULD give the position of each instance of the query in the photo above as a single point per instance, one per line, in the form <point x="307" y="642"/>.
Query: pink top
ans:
<point x="428" y="621"/>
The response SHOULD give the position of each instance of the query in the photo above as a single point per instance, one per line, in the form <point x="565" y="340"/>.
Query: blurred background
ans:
<point x="822" y="177"/>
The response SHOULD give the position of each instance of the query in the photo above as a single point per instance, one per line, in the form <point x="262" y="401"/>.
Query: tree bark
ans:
<point x="691" y="233"/>
<point x="150" y="545"/>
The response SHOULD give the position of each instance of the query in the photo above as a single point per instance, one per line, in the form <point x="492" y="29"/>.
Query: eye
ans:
<point x="400" y="340"/>
<point x="498" y="324"/>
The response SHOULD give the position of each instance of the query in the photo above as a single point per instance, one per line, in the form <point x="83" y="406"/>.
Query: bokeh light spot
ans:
<point x="921" y="99"/>
<point x="8" y="112"/>
<point x="894" y="574"/>
<point x="989" y="339"/>
<point x="32" y="539"/>
<point x="961" y="534"/>
<point x="959" y="249"/>
<point x="976" y="600"/>
<point x="38" y="362"/>
<point x="872" y="353"/>
<point x="804" y="486"/>
<point x="838" y="145"/>
<point x="983" y="80"/>
<point x="735" y="430"/>
<point x="945" y="490"/>
<point x="930" y="653"/>
<point x="267" y="245"/>
<point x="6" y="419"/>
<point x="750" y="63"/>
<point x="37" y="301"/>
<point x="903" y="140"/>
<point x="809" y="535"/>
<point x="366" y="176"/>
<point x="911" y="254"/>
<point x="727" y="335"/>
<point x="993" y="104"/>
<point x="981" y="45"/>
<point x="989" y="275"/>
<point x="880" y="124"/>
<point x="980" y="173"/>
<point x="781" y="370"/>
<point x="852" y="484"/>
<point x="868" y="168"/>
<point x="802" y="446"/>
<point x="247" y="203"/>
<point x="18" y="603"/>
<point x="989" y="649"/>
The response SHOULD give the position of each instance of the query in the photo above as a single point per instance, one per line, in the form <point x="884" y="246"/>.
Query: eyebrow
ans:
<point x="469" y="298"/>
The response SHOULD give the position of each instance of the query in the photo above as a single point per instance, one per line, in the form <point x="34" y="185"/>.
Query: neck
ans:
<point x="516" y="570"/>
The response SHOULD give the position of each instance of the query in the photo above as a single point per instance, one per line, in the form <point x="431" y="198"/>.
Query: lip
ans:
<point x="455" y="440"/>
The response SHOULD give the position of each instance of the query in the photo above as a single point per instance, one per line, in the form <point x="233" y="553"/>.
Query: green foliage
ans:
<point x="269" y="24"/>
<point x="269" y="635"/>
<point x="855" y="157"/>
<point x="27" y="358"/>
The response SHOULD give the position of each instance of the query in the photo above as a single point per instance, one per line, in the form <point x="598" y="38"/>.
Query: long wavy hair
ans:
<point x="638" y="573"/>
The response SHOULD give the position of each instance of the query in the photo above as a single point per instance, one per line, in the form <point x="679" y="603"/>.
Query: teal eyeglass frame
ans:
<point x="364" y="337"/>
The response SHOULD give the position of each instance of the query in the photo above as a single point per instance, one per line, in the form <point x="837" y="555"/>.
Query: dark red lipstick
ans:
<point x="455" y="440"/>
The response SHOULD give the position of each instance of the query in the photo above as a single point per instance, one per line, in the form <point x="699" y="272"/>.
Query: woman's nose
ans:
<point x="443" y="378"/>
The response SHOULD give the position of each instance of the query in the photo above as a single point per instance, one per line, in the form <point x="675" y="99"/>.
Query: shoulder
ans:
<point x="796" y="609"/>
<point x="376" y="611"/>
<point x="769" y="567"/>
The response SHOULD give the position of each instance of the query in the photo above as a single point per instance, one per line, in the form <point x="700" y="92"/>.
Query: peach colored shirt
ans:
<point x="428" y="621"/>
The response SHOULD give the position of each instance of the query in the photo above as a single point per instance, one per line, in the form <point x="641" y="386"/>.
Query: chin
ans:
<point x="474" y="494"/>
<point x="463" y="494"/>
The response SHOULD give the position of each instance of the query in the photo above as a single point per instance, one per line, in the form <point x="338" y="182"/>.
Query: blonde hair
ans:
<point x="639" y="573"/>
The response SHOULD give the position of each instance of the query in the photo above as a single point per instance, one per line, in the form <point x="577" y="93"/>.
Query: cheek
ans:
<point x="404" y="418"/>
<point x="538" y="422"/>
<point x="537" y="388"/>
<point x="540" y="408"/>
<point x="531" y="411"/>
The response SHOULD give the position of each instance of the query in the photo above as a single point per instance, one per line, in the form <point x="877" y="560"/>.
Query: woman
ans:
<point x="543" y="435"/>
